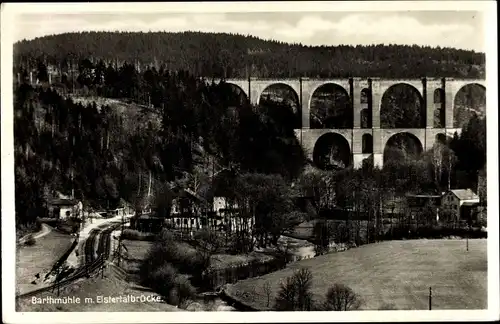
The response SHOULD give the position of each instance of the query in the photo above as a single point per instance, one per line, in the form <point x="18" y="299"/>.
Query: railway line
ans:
<point x="89" y="245"/>
<point x="94" y="259"/>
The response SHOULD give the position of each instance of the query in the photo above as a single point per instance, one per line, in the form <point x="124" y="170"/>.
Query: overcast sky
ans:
<point x="459" y="29"/>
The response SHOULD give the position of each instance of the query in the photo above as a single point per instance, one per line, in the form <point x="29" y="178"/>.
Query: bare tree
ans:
<point x="323" y="231"/>
<point x="295" y="292"/>
<point x="442" y="160"/>
<point x="303" y="281"/>
<point x="437" y="161"/>
<point x="285" y="301"/>
<point x="319" y="185"/>
<point x="341" y="298"/>
<point x="266" y="287"/>
<point x="208" y="243"/>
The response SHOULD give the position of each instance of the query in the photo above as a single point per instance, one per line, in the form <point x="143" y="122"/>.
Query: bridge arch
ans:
<point x="236" y="95"/>
<point x="330" y="107"/>
<point x="280" y="92"/>
<point x="402" y="146"/>
<point x="281" y="96"/>
<point x="242" y="85"/>
<point x="469" y="100"/>
<point x="402" y="106"/>
<point x="332" y="151"/>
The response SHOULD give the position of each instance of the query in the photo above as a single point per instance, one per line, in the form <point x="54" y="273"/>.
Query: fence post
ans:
<point x="430" y="298"/>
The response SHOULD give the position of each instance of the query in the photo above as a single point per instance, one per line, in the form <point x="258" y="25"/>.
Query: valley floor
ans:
<point x="395" y="273"/>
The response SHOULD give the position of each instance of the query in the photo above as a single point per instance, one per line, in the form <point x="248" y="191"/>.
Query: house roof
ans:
<point x="464" y="194"/>
<point x="470" y="203"/>
<point x="62" y="202"/>
<point x="423" y="196"/>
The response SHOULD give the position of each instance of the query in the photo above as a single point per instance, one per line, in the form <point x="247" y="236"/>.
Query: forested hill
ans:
<point x="231" y="55"/>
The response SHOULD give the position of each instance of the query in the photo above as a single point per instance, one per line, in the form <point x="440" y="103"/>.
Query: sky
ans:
<point x="458" y="29"/>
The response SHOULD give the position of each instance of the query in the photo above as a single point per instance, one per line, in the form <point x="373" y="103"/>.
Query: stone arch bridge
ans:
<point x="375" y="88"/>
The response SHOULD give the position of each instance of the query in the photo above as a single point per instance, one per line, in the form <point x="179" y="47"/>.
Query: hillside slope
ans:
<point x="230" y="55"/>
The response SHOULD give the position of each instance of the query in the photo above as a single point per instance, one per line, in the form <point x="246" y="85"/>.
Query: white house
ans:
<point x="220" y="215"/>
<point x="458" y="203"/>
<point x="228" y="214"/>
<point x="186" y="210"/>
<point x="183" y="217"/>
<point x="63" y="208"/>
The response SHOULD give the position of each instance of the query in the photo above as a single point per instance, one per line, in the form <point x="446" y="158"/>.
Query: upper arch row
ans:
<point x="304" y="88"/>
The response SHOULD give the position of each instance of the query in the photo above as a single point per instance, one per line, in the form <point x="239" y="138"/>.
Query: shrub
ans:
<point x="341" y="298"/>
<point x="23" y="229"/>
<point x="154" y="259"/>
<point x="165" y="237"/>
<point x="130" y="234"/>
<point x="159" y="273"/>
<point x="185" y="291"/>
<point x="387" y="306"/>
<point x="163" y="280"/>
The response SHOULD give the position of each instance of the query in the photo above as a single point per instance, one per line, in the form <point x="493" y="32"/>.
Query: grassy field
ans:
<point x="393" y="272"/>
<point x="39" y="258"/>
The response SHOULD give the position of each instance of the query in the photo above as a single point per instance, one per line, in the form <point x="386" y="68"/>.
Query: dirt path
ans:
<point x="46" y="229"/>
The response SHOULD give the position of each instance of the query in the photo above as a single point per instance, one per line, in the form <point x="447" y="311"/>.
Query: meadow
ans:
<point x="395" y="274"/>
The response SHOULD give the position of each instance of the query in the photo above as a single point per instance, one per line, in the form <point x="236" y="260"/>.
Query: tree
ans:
<point x="208" y="243"/>
<point x="86" y="73"/>
<point x="286" y="299"/>
<point x="442" y="160"/>
<point x="472" y="145"/>
<point x="269" y="199"/>
<point x="341" y="298"/>
<point x="295" y="292"/>
<point x="267" y="288"/>
<point x="322" y="232"/>
<point x="42" y="75"/>
<point x="237" y="55"/>
<point x="319" y="185"/>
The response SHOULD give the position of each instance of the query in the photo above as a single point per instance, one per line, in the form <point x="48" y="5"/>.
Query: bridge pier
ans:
<point x="378" y="160"/>
<point x="449" y="98"/>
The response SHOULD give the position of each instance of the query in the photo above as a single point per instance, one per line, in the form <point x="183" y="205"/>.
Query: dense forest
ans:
<point x="231" y="55"/>
<point x="162" y="124"/>
<point x="105" y="155"/>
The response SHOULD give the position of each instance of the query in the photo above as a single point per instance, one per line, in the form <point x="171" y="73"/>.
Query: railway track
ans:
<point x="89" y="245"/>
<point x="93" y="261"/>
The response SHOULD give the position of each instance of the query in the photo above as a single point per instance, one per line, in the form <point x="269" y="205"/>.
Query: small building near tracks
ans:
<point x="64" y="208"/>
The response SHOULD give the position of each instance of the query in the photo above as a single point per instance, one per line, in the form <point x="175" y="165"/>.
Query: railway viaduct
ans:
<point x="374" y="88"/>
